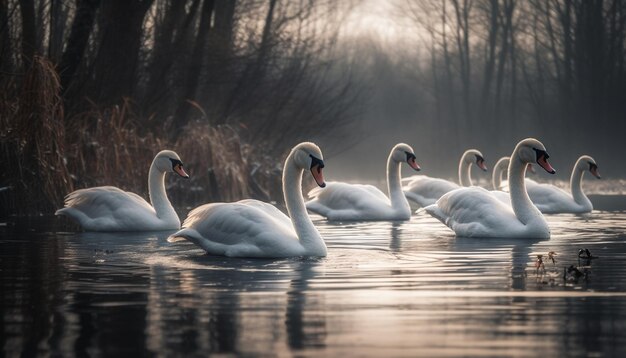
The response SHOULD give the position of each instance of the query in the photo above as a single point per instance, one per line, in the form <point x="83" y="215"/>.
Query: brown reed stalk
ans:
<point x="34" y="141"/>
<point x="50" y="155"/>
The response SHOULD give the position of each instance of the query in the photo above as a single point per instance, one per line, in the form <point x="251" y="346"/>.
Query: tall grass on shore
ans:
<point x="47" y="154"/>
<point x="35" y="175"/>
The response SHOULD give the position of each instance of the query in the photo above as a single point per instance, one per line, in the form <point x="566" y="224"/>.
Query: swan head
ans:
<point x="530" y="150"/>
<point x="587" y="162"/>
<point x="308" y="156"/>
<point x="168" y="161"/>
<point x="402" y="152"/>
<point x="473" y="155"/>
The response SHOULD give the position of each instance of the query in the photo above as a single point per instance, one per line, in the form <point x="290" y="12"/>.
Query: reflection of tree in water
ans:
<point x="30" y="290"/>
<point x="218" y="310"/>
<point x="186" y="316"/>
<point x="304" y="330"/>
<point x="108" y="296"/>
<point x="395" y="244"/>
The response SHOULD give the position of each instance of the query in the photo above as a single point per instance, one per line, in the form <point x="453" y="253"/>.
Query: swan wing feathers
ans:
<point x="430" y="187"/>
<point x="344" y="196"/>
<point x="548" y="196"/>
<point x="108" y="208"/>
<point x="474" y="212"/>
<point x="248" y="228"/>
<point x="106" y="200"/>
<point x="425" y="190"/>
<point x="503" y="196"/>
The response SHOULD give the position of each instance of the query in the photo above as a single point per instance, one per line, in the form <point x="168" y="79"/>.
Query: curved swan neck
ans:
<point x="158" y="196"/>
<point x="523" y="207"/>
<point x="465" y="166"/>
<point x="576" y="183"/>
<point x="498" y="169"/>
<point x="292" y="189"/>
<point x="394" y="185"/>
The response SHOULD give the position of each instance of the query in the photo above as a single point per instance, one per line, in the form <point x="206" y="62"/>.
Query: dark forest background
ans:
<point x="90" y="90"/>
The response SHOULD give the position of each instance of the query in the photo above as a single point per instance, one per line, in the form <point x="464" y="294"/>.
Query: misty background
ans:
<point x="92" y="89"/>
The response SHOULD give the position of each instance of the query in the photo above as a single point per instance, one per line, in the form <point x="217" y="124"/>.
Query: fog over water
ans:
<point x="401" y="64"/>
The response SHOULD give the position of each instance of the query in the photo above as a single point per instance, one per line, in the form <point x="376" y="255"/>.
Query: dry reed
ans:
<point x="33" y="142"/>
<point x="48" y="155"/>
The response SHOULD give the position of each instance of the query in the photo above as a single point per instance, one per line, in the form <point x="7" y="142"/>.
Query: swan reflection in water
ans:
<point x="231" y="305"/>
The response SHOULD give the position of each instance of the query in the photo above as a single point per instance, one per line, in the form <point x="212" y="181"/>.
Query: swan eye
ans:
<point x="175" y="163"/>
<point x="541" y="153"/>
<point x="479" y="159"/>
<point x="592" y="166"/>
<point x="315" y="161"/>
<point x="410" y="156"/>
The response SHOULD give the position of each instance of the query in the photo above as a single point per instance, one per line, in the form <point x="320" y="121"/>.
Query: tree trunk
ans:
<point x="29" y="32"/>
<point x="6" y="50"/>
<point x="116" y="64"/>
<point x="77" y="42"/>
<point x="195" y="64"/>
<point x="490" y="61"/>
<point x="507" y="27"/>
<point x="58" y="18"/>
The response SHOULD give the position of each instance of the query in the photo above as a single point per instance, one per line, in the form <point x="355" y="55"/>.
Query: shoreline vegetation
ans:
<point x="48" y="155"/>
<point x="91" y="90"/>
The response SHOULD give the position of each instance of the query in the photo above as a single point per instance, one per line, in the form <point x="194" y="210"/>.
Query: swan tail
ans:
<point x="317" y="208"/>
<point x="184" y="234"/>
<point x="436" y="212"/>
<point x="76" y="215"/>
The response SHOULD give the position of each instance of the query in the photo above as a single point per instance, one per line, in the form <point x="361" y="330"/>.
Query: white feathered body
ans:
<point x="425" y="190"/>
<point x="551" y="199"/>
<point x="476" y="212"/>
<point x="108" y="208"/>
<point x="247" y="228"/>
<point x="353" y="202"/>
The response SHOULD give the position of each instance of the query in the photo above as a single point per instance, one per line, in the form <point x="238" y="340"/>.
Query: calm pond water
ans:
<point x="385" y="289"/>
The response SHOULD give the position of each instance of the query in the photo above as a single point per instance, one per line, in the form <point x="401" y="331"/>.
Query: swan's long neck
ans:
<point x="523" y="207"/>
<point x="394" y="186"/>
<point x="576" y="184"/>
<point x="292" y="188"/>
<point x="465" y="166"/>
<point x="158" y="196"/>
<point x="496" y="177"/>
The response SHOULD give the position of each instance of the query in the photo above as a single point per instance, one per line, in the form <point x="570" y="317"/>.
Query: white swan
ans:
<point x="551" y="199"/>
<point x="107" y="208"/>
<point x="499" y="186"/>
<point x="496" y="180"/>
<point x="500" y="167"/>
<point x="252" y="228"/>
<point x="425" y="190"/>
<point x="476" y="212"/>
<point x="343" y="201"/>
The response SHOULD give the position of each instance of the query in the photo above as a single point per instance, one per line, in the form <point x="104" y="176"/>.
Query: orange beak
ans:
<point x="545" y="165"/>
<point x="481" y="164"/>
<point x="316" y="171"/>
<point x="595" y="173"/>
<point x="413" y="164"/>
<point x="180" y="171"/>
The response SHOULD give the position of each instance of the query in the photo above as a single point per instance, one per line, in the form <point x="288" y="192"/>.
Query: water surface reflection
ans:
<point x="391" y="288"/>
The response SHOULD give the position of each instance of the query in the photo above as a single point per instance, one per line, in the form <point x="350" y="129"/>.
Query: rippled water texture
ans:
<point x="385" y="289"/>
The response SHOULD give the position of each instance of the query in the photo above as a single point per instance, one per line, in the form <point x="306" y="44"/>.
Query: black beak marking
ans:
<point x="541" y="153"/>
<point x="316" y="161"/>
<point x="410" y="156"/>
<point x="175" y="162"/>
